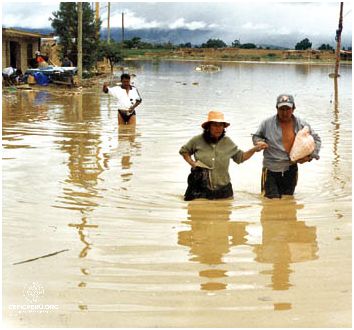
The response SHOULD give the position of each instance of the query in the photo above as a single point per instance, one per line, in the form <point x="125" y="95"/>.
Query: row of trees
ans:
<point x="215" y="43"/>
<point x="306" y="44"/>
<point x="211" y="43"/>
<point x="65" y="25"/>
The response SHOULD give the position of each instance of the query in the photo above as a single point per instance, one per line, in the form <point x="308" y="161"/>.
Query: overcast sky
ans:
<point x="241" y="19"/>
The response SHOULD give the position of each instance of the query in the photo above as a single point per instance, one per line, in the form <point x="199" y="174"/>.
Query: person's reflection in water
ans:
<point x="210" y="238"/>
<point x="285" y="240"/>
<point x="126" y="145"/>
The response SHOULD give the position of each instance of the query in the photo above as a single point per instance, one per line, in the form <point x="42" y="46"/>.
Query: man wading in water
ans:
<point x="128" y="99"/>
<point x="279" y="174"/>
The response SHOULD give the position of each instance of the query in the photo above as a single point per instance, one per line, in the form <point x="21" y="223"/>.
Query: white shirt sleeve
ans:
<point x="114" y="92"/>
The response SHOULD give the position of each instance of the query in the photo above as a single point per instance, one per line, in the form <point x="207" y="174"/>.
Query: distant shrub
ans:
<point x="248" y="46"/>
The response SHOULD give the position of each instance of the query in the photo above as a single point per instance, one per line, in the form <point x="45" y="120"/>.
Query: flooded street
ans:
<point x="131" y="252"/>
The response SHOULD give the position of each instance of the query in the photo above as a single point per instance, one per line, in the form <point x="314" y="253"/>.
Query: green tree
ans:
<point x="134" y="42"/>
<point x="236" y="43"/>
<point x="325" y="47"/>
<point x="112" y="51"/>
<point x="248" y="46"/>
<point x="146" y="45"/>
<point x="65" y="25"/>
<point x="303" y="44"/>
<point x="186" y="45"/>
<point x="214" y="43"/>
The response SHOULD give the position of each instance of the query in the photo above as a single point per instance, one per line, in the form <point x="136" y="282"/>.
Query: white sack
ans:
<point x="303" y="146"/>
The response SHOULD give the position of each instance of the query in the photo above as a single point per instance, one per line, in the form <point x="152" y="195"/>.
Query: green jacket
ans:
<point x="215" y="156"/>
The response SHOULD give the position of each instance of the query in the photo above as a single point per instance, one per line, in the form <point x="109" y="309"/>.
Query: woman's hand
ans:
<point x="187" y="157"/>
<point x="260" y="145"/>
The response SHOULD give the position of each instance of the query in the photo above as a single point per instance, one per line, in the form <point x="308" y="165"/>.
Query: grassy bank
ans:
<point x="233" y="54"/>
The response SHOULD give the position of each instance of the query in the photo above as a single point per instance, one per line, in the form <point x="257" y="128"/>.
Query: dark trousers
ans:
<point x="199" y="186"/>
<point x="276" y="184"/>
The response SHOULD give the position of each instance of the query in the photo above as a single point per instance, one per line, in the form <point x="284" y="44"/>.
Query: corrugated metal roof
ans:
<point x="21" y="33"/>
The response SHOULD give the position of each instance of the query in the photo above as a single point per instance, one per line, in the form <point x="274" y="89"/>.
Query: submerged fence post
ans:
<point x="338" y="39"/>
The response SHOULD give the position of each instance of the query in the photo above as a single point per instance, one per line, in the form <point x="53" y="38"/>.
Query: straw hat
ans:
<point x="215" y="116"/>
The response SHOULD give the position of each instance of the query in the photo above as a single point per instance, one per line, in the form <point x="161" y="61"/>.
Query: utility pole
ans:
<point x="122" y="29"/>
<point x="79" y="42"/>
<point x="108" y="23"/>
<point x="97" y="11"/>
<point x="97" y="18"/>
<point x="338" y="39"/>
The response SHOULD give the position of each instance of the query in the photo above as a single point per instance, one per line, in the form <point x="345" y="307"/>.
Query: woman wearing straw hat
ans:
<point x="212" y="151"/>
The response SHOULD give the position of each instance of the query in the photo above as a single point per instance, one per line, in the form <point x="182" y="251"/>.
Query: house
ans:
<point x="346" y="55"/>
<point x="19" y="47"/>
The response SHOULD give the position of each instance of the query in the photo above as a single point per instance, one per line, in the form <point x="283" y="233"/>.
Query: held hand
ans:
<point x="260" y="145"/>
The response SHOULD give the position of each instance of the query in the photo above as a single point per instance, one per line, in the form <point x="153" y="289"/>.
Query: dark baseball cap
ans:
<point x="285" y="99"/>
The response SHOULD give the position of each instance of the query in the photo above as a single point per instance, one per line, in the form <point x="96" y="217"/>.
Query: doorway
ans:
<point x="15" y="54"/>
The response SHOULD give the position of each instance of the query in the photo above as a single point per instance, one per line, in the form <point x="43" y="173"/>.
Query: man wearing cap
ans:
<point x="279" y="174"/>
<point x="212" y="151"/>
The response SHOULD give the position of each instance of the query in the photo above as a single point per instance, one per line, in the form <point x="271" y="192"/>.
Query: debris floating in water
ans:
<point x="45" y="256"/>
<point x="208" y="67"/>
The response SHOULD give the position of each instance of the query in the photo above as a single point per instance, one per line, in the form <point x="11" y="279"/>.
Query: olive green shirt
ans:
<point x="216" y="156"/>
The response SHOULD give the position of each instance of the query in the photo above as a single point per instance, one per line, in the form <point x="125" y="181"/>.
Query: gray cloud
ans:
<point x="228" y="20"/>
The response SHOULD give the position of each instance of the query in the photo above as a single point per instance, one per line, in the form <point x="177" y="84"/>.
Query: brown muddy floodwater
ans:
<point x="97" y="212"/>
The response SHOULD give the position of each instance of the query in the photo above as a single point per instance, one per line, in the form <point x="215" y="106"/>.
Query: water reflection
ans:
<point x="82" y="144"/>
<point x="127" y="146"/>
<point x="41" y="98"/>
<point x="282" y="306"/>
<point x="25" y="106"/>
<point x="285" y="240"/>
<point x="210" y="238"/>
<point x="304" y="69"/>
<point x="336" y="136"/>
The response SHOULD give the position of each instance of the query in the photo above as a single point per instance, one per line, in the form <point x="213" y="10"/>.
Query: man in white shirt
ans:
<point x="128" y="99"/>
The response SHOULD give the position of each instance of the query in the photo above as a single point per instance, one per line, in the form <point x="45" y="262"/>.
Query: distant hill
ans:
<point x="176" y="36"/>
